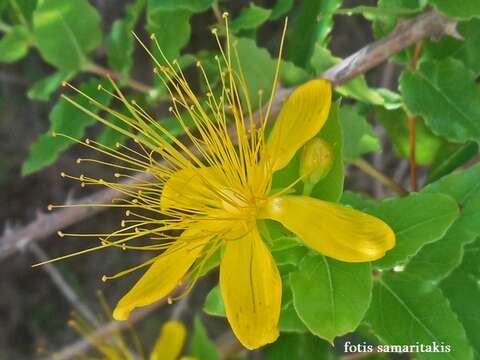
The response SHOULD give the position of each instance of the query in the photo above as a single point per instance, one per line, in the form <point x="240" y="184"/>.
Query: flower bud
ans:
<point x="316" y="160"/>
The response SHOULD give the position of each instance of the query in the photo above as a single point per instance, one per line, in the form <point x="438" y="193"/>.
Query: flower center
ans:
<point x="241" y="205"/>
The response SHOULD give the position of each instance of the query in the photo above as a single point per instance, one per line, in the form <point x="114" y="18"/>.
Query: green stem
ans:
<point x="307" y="188"/>
<point x="18" y="12"/>
<point x="264" y="232"/>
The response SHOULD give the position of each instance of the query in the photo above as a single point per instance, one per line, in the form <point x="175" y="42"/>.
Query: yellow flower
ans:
<point x="168" y="346"/>
<point x="193" y="208"/>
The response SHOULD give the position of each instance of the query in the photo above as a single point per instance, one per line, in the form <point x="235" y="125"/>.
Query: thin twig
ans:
<point x="104" y="72"/>
<point x="217" y="13"/>
<point x="229" y="346"/>
<point x="59" y="281"/>
<point x="180" y="307"/>
<point x="406" y="34"/>
<point x="384" y="179"/>
<point x="105" y="331"/>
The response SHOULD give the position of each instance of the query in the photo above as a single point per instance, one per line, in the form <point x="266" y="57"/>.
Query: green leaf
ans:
<point x="280" y="8"/>
<point x="258" y="68"/>
<point x="444" y="93"/>
<point x="417" y="219"/>
<point x="465" y="9"/>
<point x="330" y="188"/>
<point x="66" y="119"/>
<point x="330" y="296"/>
<point x="299" y="346"/>
<point x="435" y="261"/>
<point x="358" y="134"/>
<point x="385" y="19"/>
<point x="357" y="200"/>
<point x="312" y="26"/>
<point x="21" y="10"/>
<point x="120" y="42"/>
<point x="201" y="347"/>
<point x="449" y="157"/>
<point x="193" y="6"/>
<point x="44" y="88"/>
<point x="66" y="31"/>
<point x="427" y="144"/>
<point x="408" y="312"/>
<point x="289" y="256"/>
<point x="289" y="320"/>
<point x="172" y="30"/>
<point x="463" y="292"/>
<point x="214" y="303"/>
<point x="250" y="18"/>
<point x="465" y="188"/>
<point x="292" y="75"/>
<point x="358" y="89"/>
<point x="14" y="44"/>
<point x="465" y="50"/>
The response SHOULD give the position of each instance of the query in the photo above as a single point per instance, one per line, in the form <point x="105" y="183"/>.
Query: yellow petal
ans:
<point x="301" y="118"/>
<point x="251" y="289"/>
<point x="163" y="275"/>
<point x="333" y="230"/>
<point x="170" y="342"/>
<point x="190" y="188"/>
